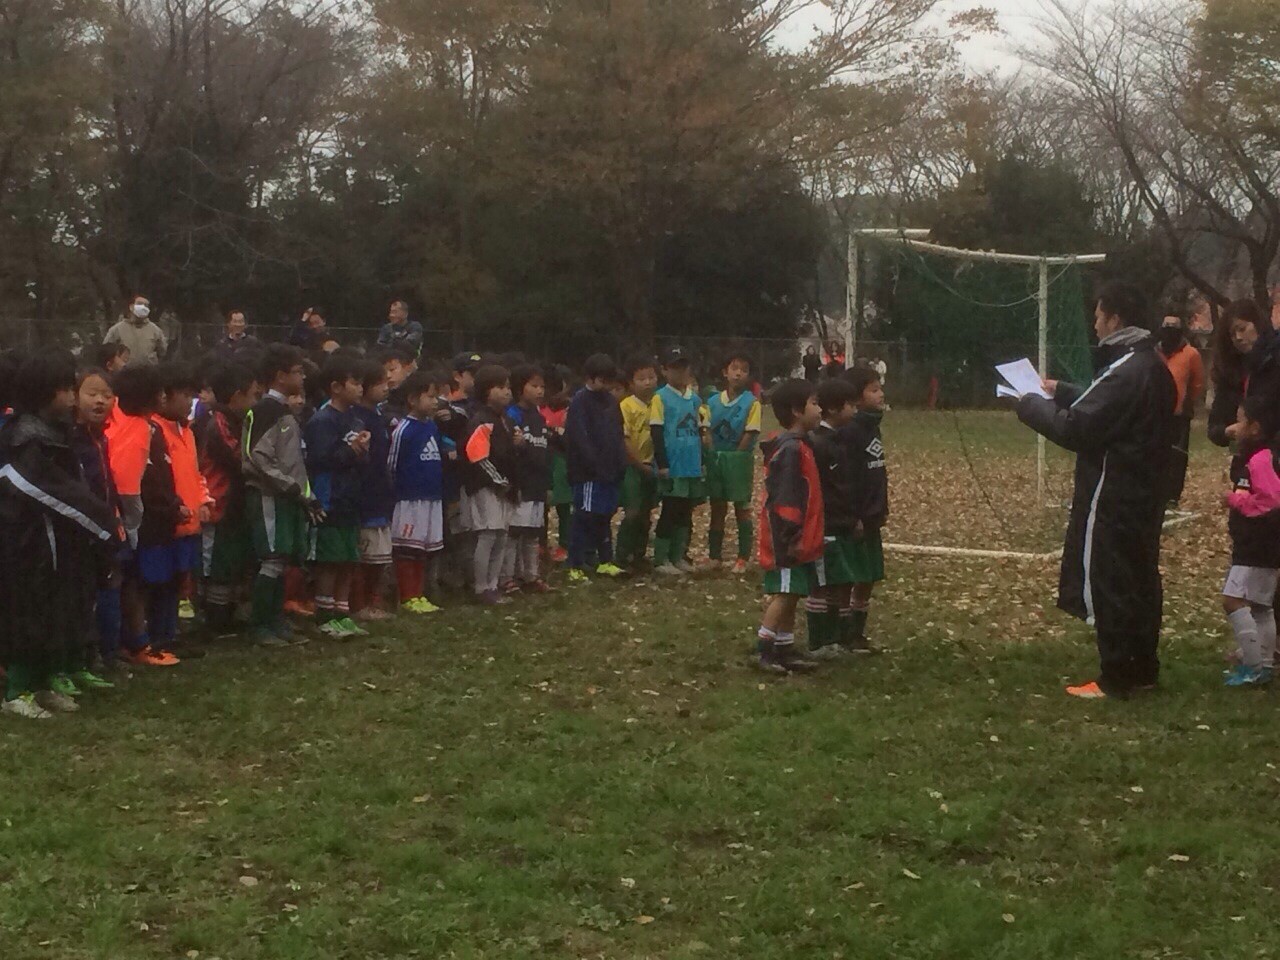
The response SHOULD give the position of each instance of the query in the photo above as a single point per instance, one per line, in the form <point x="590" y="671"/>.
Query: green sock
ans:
<point x="715" y="544"/>
<point x="263" y="599"/>
<point x="680" y="544"/>
<point x="846" y="626"/>
<point x="858" y="624"/>
<point x="623" y="546"/>
<point x="746" y="534"/>
<point x="822" y="625"/>
<point x="642" y="535"/>
<point x="662" y="547"/>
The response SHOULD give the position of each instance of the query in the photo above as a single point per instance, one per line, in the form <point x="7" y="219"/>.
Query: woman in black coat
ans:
<point x="1246" y="361"/>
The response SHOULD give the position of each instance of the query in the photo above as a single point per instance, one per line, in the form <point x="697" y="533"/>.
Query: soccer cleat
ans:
<point x="668" y="569"/>
<point x="610" y="570"/>
<point x="559" y="555"/>
<point x="25" y="706"/>
<point x="861" y="646"/>
<point x="352" y="628"/>
<point x="186" y="610"/>
<point x="578" y="576"/>
<point x="148" y="657"/>
<point x="62" y="684"/>
<point x="334" y="631"/>
<point x="792" y="659"/>
<point x="268" y="639"/>
<point x="56" y="702"/>
<point x="831" y="651"/>
<point x="740" y="566"/>
<point x="373" y="615"/>
<point x="539" y="586"/>
<point x="91" y="681"/>
<point x="413" y="605"/>
<point x="1087" y="691"/>
<point x="509" y="587"/>
<point x="1243" y="676"/>
<point x="426" y="606"/>
<point x="300" y="608"/>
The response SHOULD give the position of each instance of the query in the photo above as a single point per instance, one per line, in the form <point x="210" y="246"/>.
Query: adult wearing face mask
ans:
<point x="137" y="331"/>
<point x="1187" y="369"/>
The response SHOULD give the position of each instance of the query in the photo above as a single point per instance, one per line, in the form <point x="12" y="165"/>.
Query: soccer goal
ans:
<point x="991" y="489"/>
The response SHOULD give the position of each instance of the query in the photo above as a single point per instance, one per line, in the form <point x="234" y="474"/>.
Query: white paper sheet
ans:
<point x="1021" y="375"/>
<point x="1004" y="390"/>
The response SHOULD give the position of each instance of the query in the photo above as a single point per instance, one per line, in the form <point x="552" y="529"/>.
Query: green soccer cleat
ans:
<point x="91" y="681"/>
<point x="64" y="685"/>
<point x="610" y="570"/>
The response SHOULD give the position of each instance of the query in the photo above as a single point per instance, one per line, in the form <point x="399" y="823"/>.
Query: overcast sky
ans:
<point x="1017" y="21"/>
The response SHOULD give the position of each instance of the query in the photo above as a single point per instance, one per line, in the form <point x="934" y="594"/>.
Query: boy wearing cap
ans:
<point x="678" y="427"/>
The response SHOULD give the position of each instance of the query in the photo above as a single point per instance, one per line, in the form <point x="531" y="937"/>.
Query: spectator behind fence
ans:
<point x="309" y="331"/>
<point x="136" y="330"/>
<point x="237" y="343"/>
<point x="400" y="331"/>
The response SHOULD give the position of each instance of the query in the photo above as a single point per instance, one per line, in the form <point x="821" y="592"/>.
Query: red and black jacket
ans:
<point x="791" y="519"/>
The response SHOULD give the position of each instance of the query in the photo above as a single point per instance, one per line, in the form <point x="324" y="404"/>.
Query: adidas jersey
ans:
<point x="416" y="460"/>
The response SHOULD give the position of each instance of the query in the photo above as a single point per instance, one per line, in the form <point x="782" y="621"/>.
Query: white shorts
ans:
<point x="1257" y="585"/>
<point x="529" y="515"/>
<point x="485" y="510"/>
<point x="375" y="545"/>
<point x="418" y="525"/>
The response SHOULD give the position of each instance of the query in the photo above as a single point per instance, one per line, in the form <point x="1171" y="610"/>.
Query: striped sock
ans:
<point x="325" y="609"/>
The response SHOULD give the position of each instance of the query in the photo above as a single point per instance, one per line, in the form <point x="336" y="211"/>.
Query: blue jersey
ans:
<point x="731" y="419"/>
<point x="417" y="460"/>
<point x="336" y="470"/>
<point x="680" y="417"/>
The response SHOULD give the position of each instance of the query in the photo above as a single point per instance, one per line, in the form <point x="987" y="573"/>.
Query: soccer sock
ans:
<point x="1264" y="619"/>
<point x="509" y="559"/>
<point x="1246" y="631"/>
<point x="820" y="620"/>
<point x="785" y="640"/>
<point x="430" y="573"/>
<point x="408" y="578"/>
<point x="529" y="564"/>
<point x="603" y="538"/>
<point x="664" y="537"/>
<point x="341" y="609"/>
<point x="325" y="609"/>
<point x="846" y="623"/>
<point x="858" y="623"/>
<point x="643" y="523"/>
<point x="628" y="539"/>
<point x="746" y="536"/>
<point x="680" y="543"/>
<point x="359" y="595"/>
<point x="715" y="544"/>
<point x="373" y="574"/>
<point x="765" y="639"/>
<point x="486" y="543"/>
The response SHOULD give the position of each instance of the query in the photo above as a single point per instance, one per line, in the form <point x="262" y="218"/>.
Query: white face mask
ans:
<point x="141" y="311"/>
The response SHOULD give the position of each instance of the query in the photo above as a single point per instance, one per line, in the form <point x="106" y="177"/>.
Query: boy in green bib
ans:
<point x="734" y="425"/>
<point x="677" y="427"/>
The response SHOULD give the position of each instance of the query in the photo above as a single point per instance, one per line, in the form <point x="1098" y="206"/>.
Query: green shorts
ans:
<point x="797" y="581"/>
<point x="639" y="490"/>
<point x="686" y="488"/>
<point x="335" y="543"/>
<point x="227" y="550"/>
<point x="867" y="558"/>
<point x="561" y="493"/>
<point x="277" y="526"/>
<point x="731" y="476"/>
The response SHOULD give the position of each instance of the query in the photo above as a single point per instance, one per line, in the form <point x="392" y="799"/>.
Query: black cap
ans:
<point x="674" y="356"/>
<point x="466" y="361"/>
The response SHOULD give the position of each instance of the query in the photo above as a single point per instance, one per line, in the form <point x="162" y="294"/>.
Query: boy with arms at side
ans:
<point x="490" y="479"/>
<point x="557" y="378"/>
<point x="533" y="477"/>
<point x="278" y="500"/>
<point x="227" y="541"/>
<point x="376" y="500"/>
<point x="677" y="427"/>
<point x="180" y="384"/>
<point x="870" y="484"/>
<point x="734" y="427"/>
<point x="791" y="522"/>
<point x="640" y="484"/>
<point x="836" y="570"/>
<point x="337" y="447"/>
<point x="416" y="462"/>
<point x="596" y="456"/>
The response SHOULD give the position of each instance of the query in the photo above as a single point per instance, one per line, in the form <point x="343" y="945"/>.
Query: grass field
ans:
<point x="599" y="773"/>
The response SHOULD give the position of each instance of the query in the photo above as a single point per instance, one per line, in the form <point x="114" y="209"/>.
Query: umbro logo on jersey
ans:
<point x="875" y="449"/>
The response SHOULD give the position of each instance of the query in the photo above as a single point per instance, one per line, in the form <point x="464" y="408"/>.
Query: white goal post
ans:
<point x="915" y="239"/>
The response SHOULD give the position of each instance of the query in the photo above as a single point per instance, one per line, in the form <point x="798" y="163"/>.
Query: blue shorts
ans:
<point x="596" y="497"/>
<point x="163" y="562"/>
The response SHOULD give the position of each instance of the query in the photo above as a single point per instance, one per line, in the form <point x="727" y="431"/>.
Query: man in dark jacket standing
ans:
<point x="1121" y="429"/>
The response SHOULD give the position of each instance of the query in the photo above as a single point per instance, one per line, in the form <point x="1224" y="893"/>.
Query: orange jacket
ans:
<point x="188" y="481"/>
<point x="1188" y="376"/>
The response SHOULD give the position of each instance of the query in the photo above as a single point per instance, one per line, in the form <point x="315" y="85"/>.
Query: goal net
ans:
<point x="978" y="481"/>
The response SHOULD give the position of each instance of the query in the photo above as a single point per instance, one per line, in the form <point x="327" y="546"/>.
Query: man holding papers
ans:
<point x="1121" y="429"/>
